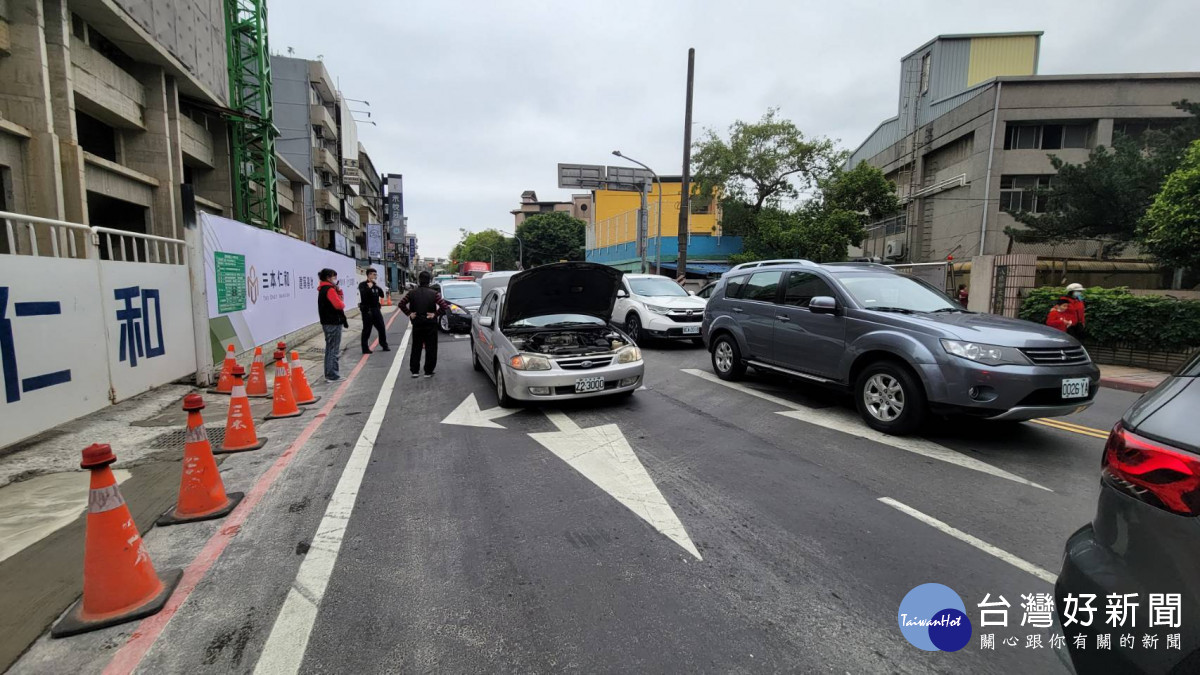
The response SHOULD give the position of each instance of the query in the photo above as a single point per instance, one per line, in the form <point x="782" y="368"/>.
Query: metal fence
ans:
<point x="33" y="236"/>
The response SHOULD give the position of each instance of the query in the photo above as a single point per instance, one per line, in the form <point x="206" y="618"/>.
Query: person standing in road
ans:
<point x="1076" y="310"/>
<point x="963" y="295"/>
<point x="423" y="305"/>
<point x="1059" y="317"/>
<point x="331" y="307"/>
<point x="369" y="295"/>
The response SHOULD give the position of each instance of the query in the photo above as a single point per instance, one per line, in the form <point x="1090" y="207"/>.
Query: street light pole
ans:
<point x="490" y="252"/>
<point x="520" y="248"/>
<point x="658" y="237"/>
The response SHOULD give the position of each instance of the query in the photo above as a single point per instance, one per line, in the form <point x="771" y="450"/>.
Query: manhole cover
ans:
<point x="174" y="439"/>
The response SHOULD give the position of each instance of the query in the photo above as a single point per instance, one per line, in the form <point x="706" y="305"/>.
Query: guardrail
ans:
<point x="46" y="237"/>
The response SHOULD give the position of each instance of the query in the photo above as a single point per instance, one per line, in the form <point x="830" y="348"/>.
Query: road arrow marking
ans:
<point x="604" y="457"/>
<point x="468" y="414"/>
<point x="848" y="423"/>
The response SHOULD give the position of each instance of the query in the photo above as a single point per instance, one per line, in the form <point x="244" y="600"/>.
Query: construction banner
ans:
<point x="262" y="285"/>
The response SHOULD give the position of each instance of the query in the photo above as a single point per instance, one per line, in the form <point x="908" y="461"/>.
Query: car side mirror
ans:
<point x="823" y="304"/>
<point x="485" y="321"/>
<point x="621" y="293"/>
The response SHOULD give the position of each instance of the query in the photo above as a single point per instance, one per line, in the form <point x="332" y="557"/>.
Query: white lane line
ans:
<point x="460" y="336"/>
<point x="284" y="651"/>
<point x="848" y="423"/>
<point x="1019" y="563"/>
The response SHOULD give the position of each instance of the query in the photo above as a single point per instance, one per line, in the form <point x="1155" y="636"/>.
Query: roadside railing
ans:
<point x="46" y="237"/>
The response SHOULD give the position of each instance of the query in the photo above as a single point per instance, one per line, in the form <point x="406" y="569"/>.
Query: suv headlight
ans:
<point x="529" y="362"/>
<point x="628" y="354"/>
<point x="658" y="310"/>
<point x="990" y="355"/>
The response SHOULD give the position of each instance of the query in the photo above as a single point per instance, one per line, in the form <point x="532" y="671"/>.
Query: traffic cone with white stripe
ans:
<point x="256" y="386"/>
<point x="225" y="382"/>
<point x="240" y="435"/>
<point x="119" y="581"/>
<point x="303" y="392"/>
<point x="285" y="398"/>
<point x="201" y="490"/>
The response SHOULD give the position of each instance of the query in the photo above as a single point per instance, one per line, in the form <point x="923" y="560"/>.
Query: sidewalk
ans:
<point x="1128" y="378"/>
<point x="43" y="492"/>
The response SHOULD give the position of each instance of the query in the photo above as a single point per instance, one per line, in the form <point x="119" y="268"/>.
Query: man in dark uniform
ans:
<point x="369" y="295"/>
<point x="423" y="305"/>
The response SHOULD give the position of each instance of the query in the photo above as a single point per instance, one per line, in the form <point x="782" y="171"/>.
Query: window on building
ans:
<point x="926" y="62"/>
<point x="1136" y="128"/>
<point x="1046" y="136"/>
<point x="96" y="137"/>
<point x="1023" y="193"/>
<point x="700" y="206"/>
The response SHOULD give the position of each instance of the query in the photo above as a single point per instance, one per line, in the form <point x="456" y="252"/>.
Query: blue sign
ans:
<point x="13" y="384"/>
<point x="135" y="324"/>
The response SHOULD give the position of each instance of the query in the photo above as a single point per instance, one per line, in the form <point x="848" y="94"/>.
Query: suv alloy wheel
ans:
<point x="890" y="399"/>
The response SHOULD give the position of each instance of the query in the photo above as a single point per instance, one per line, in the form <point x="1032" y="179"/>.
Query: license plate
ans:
<point x="1076" y="387"/>
<point x="586" y="385"/>
<point x="691" y="330"/>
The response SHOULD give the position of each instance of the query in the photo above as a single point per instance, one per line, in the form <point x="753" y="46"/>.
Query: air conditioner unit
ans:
<point x="894" y="249"/>
<point x="329" y="216"/>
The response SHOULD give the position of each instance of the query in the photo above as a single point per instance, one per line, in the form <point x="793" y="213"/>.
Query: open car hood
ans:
<point x="562" y="288"/>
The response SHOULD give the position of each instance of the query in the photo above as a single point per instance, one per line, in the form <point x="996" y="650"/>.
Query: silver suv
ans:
<point x="898" y="345"/>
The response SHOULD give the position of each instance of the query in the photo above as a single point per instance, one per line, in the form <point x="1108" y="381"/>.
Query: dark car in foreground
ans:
<point x="899" y="346"/>
<point x="1145" y="537"/>
<point x="464" y="298"/>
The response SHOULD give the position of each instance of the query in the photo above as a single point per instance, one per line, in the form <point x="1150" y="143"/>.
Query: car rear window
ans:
<point x="762" y="286"/>
<point x="736" y="286"/>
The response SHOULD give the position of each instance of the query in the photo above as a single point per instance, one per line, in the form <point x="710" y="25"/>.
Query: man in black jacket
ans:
<point x="369" y="295"/>
<point x="423" y="305"/>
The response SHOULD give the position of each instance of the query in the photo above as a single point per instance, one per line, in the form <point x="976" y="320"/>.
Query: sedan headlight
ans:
<point x="990" y="355"/>
<point x="658" y="310"/>
<point x="461" y="311"/>
<point x="629" y="354"/>
<point x="529" y="362"/>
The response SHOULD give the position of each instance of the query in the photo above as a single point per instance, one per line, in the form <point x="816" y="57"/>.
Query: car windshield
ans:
<point x="462" y="292"/>
<point x="895" y="292"/>
<point x="557" y="321"/>
<point x="656" y="288"/>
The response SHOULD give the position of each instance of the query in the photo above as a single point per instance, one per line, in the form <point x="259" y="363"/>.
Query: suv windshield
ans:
<point x="461" y="292"/>
<point x="557" y="321"/>
<point x="895" y="292"/>
<point x="656" y="288"/>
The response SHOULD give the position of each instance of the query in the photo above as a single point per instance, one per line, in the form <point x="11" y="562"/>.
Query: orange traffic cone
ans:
<point x="201" y="491"/>
<point x="285" y="398"/>
<point x="225" y="383"/>
<point x="303" y="392"/>
<point x="256" y="387"/>
<point x="239" y="423"/>
<point x="119" y="581"/>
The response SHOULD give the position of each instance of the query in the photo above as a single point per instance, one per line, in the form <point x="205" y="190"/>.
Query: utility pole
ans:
<point x="684" y="207"/>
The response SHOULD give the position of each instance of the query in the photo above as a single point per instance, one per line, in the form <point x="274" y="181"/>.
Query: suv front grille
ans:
<point x="1055" y="356"/>
<point x="678" y="316"/>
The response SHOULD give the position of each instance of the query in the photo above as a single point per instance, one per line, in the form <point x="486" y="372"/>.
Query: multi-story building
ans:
<point x="612" y="232"/>
<point x="579" y="207"/>
<point x="107" y="107"/>
<point x="973" y="134"/>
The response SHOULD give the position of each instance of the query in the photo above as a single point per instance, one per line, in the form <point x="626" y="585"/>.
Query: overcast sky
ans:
<point x="478" y="101"/>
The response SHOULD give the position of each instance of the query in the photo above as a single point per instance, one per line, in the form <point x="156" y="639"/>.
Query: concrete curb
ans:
<point x="1126" y="385"/>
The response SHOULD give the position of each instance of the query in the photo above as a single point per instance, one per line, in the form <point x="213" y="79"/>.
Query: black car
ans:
<point x="1145" y="537"/>
<point x="464" y="298"/>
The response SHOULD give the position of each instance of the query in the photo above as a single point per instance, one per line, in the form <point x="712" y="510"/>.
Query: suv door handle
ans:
<point x="783" y="317"/>
<point x="738" y="310"/>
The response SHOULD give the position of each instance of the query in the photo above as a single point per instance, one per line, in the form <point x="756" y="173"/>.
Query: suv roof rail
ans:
<point x="766" y="263"/>
<point x="862" y="263"/>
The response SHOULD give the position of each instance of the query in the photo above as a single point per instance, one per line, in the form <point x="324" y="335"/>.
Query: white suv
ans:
<point x="652" y="306"/>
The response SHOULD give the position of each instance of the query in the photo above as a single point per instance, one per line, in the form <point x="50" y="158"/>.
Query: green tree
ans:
<point x="479" y="246"/>
<point x="551" y="237"/>
<point x="762" y="163"/>
<point x="1170" y="230"/>
<point x="1106" y="197"/>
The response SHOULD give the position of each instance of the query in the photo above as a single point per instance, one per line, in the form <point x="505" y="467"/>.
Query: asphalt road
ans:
<point x="694" y="527"/>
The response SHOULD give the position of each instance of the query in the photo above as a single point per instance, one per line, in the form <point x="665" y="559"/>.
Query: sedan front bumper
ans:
<point x="560" y="383"/>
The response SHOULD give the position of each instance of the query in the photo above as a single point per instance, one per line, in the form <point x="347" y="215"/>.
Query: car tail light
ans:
<point x="1158" y="475"/>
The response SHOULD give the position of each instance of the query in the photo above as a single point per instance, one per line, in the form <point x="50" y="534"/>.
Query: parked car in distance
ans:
<point x="705" y="291"/>
<point x="1145" y="536"/>
<point x="464" y="298"/>
<point x="547" y="336"/>
<point x="653" y="306"/>
<point x="494" y="280"/>
<point x="902" y="348"/>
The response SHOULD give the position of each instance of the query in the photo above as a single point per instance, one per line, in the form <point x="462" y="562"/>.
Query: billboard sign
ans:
<point x="374" y="240"/>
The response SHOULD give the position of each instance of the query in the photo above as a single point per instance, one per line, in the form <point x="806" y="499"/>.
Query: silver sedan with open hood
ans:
<point x="547" y="335"/>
